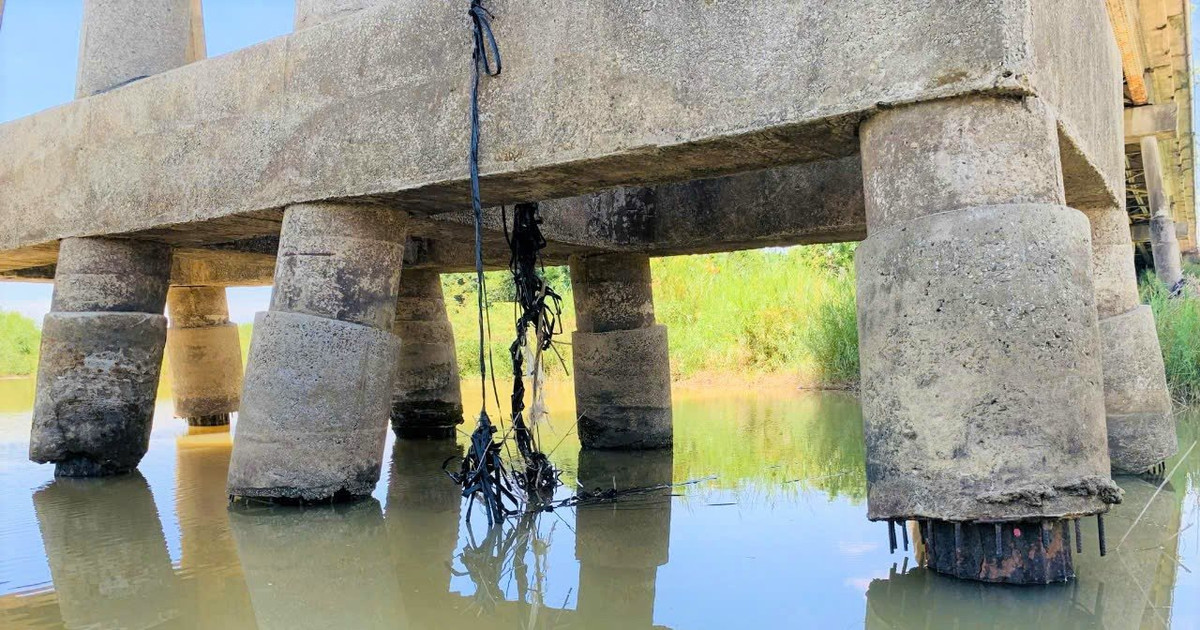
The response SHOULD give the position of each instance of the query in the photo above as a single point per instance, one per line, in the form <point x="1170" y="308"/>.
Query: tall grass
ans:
<point x="765" y="311"/>
<point x="1178" y="322"/>
<point x="19" y="341"/>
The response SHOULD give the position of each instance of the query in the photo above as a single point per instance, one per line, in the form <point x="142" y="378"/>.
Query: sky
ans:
<point x="39" y="46"/>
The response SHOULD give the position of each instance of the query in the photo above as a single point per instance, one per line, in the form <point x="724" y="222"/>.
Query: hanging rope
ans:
<point x="541" y="308"/>
<point x="482" y="474"/>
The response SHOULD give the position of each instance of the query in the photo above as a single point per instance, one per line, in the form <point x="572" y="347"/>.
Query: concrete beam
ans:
<point x="1152" y="120"/>
<point x="1133" y="63"/>
<point x="371" y="107"/>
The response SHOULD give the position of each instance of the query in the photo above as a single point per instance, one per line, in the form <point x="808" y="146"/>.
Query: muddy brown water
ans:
<point x="772" y="533"/>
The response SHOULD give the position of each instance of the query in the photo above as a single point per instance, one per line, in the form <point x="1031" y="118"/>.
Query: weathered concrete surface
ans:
<point x="128" y="40"/>
<point x="981" y="378"/>
<point x="1113" y="273"/>
<point x="107" y="554"/>
<point x="620" y="546"/>
<point x="111" y="275"/>
<point x="321" y="371"/>
<point x="315" y="404"/>
<point x="620" y="359"/>
<point x="341" y="264"/>
<point x="1141" y="426"/>
<point x="427" y="402"/>
<point x="1168" y="263"/>
<point x="313" y="12"/>
<point x="204" y="354"/>
<point x="331" y="112"/>
<point x="96" y="385"/>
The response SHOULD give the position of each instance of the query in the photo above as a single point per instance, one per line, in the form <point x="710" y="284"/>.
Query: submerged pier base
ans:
<point x="1141" y="426"/>
<point x="981" y="379"/>
<point x="428" y="399"/>
<point x="204" y="354"/>
<point x="320" y="375"/>
<point x="102" y="348"/>
<point x="622" y="371"/>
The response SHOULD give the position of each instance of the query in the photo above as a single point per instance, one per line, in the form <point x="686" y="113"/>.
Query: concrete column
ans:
<point x="102" y="347"/>
<point x="622" y="372"/>
<point x="125" y="40"/>
<point x="319" y="379"/>
<point x="1168" y="264"/>
<point x="1141" y="428"/>
<point x="204" y="353"/>
<point x="980" y="350"/>
<point x="620" y="547"/>
<point x="428" y="399"/>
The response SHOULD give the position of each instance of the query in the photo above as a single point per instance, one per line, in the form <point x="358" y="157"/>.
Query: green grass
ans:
<point x="764" y="311"/>
<point x="19" y="341"/>
<point x="1178" y="322"/>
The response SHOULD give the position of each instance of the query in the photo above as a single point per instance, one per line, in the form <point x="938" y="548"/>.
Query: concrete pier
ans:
<point x="428" y="400"/>
<point x="204" y="354"/>
<point x="622" y="371"/>
<point x="102" y="347"/>
<point x="981" y="374"/>
<point x="319" y="379"/>
<point x="1168" y="262"/>
<point x="1141" y="426"/>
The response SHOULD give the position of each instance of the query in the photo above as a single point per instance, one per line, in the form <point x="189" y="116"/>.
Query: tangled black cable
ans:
<point x="540" y="307"/>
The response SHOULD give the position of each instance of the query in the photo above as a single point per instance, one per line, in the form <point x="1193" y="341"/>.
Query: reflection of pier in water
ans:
<point x="1131" y="588"/>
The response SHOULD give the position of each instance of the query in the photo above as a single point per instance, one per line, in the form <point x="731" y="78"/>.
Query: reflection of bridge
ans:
<point x="349" y="566"/>
<point x="1007" y="364"/>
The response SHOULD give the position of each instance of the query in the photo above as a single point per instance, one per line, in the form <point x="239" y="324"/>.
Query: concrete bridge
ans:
<point x="979" y="150"/>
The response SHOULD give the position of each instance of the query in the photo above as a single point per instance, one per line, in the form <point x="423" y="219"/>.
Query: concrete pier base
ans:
<point x="1141" y="426"/>
<point x="622" y="369"/>
<point x="101" y="352"/>
<point x="204" y="354"/>
<point x="428" y="399"/>
<point x="320" y="375"/>
<point x="981" y="378"/>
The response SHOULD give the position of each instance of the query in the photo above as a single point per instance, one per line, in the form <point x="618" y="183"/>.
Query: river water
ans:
<point x="771" y="532"/>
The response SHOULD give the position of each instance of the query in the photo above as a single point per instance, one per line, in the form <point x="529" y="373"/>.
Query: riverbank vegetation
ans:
<point x="750" y="314"/>
<point x="1178" y="322"/>
<point x="19" y="342"/>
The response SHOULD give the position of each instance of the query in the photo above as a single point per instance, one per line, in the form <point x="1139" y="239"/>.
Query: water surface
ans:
<point x="772" y="533"/>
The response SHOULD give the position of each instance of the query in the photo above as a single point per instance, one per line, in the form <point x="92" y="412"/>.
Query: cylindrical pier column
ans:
<point x="981" y="380"/>
<point x="319" y="379"/>
<point x="1164" y="244"/>
<point x="102" y="347"/>
<point x="622" y="369"/>
<point x="428" y="399"/>
<point x="122" y="41"/>
<point x="1141" y="427"/>
<point x="204" y="354"/>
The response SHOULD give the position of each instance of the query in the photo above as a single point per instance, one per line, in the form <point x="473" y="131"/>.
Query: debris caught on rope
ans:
<point x="598" y="496"/>
<point x="538" y="306"/>
<point x="482" y="474"/>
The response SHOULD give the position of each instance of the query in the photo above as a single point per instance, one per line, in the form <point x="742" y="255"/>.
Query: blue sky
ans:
<point x="39" y="48"/>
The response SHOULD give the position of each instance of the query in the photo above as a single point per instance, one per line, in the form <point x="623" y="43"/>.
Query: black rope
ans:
<point x="482" y="474"/>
